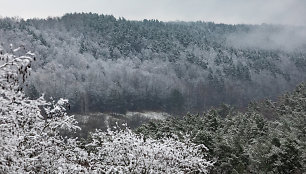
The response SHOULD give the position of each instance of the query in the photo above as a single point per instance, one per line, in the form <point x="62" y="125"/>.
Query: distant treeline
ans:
<point x="105" y="64"/>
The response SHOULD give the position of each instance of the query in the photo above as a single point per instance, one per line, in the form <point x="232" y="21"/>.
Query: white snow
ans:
<point x="149" y="114"/>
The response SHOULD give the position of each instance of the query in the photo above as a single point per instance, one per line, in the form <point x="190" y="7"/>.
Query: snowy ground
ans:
<point x="91" y="121"/>
<point x="149" y="115"/>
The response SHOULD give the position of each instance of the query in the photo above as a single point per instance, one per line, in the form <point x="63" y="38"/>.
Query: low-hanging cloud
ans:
<point x="269" y="37"/>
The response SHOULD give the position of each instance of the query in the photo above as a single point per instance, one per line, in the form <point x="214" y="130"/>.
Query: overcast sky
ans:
<point x="291" y="12"/>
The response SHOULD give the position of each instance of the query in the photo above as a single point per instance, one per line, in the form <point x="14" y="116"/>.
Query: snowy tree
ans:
<point x="29" y="129"/>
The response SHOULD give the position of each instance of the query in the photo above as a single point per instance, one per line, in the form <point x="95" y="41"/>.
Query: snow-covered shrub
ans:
<point x="126" y="152"/>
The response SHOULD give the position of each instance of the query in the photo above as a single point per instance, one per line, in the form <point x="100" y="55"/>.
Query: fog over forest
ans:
<point x="107" y="64"/>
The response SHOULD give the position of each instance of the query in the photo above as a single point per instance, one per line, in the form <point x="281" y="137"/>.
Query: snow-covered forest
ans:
<point x="269" y="137"/>
<point x="248" y="81"/>
<point x="104" y="64"/>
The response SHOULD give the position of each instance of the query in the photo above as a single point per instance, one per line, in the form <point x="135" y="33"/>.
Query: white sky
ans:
<point x="292" y="12"/>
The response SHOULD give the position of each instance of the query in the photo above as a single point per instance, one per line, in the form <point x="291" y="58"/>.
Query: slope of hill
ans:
<point x="101" y="63"/>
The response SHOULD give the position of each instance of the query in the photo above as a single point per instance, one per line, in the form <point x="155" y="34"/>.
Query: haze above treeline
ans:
<point x="107" y="64"/>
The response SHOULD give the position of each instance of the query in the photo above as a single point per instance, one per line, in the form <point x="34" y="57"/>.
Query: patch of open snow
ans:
<point x="150" y="115"/>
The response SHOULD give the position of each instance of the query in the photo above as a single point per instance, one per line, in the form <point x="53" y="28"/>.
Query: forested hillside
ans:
<point x="105" y="64"/>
